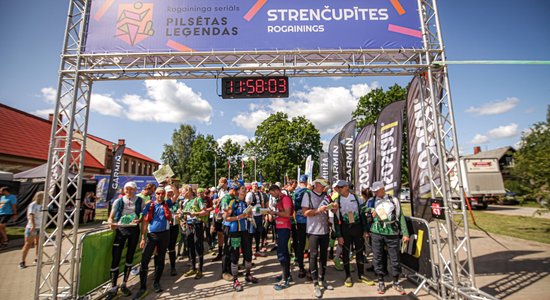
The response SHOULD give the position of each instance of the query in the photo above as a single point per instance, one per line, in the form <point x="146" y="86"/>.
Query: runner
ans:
<point x="315" y="206"/>
<point x="146" y="193"/>
<point x="237" y="218"/>
<point x="386" y="230"/>
<point x="218" y="221"/>
<point x="350" y="227"/>
<point x="284" y="210"/>
<point x="157" y="216"/>
<point x="195" y="215"/>
<point x="124" y="218"/>
<point x="32" y="230"/>
<point x="254" y="199"/>
<point x="299" y="228"/>
<point x="8" y="210"/>
<point x="227" y="197"/>
<point x="171" y="193"/>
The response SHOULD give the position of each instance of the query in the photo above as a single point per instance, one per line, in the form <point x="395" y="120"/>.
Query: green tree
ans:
<point x="369" y="108"/>
<point x="281" y="145"/>
<point x="532" y="161"/>
<point x="177" y="154"/>
<point x="371" y="105"/>
<point x="233" y="152"/>
<point x="201" y="160"/>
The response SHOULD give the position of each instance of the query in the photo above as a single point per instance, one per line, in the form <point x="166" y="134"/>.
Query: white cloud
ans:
<point x="494" y="107"/>
<point x="49" y="94"/>
<point x="169" y="101"/>
<point x="328" y="108"/>
<point x="325" y="145"/>
<point x="166" y="101"/>
<point x="504" y="132"/>
<point x="44" y="113"/>
<point x="480" y="139"/>
<point x="239" y="138"/>
<point x="106" y="105"/>
<point x="251" y="119"/>
<point x="222" y="113"/>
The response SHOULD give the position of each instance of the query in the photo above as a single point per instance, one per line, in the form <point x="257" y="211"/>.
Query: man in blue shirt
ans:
<point x="156" y="216"/>
<point x="8" y="210"/>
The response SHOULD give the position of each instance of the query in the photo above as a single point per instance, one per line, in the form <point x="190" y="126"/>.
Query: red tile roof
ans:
<point x="26" y="135"/>
<point x="127" y="151"/>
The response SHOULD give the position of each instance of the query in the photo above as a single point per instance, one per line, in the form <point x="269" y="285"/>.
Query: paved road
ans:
<point x="514" y="210"/>
<point x="506" y="267"/>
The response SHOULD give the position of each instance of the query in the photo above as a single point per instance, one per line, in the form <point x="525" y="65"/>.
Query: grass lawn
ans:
<point x="528" y="228"/>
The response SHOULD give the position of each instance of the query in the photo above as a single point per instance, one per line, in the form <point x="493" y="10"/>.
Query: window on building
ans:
<point x="133" y="167"/>
<point x="126" y="166"/>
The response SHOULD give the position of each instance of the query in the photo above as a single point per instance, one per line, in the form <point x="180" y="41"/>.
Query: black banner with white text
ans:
<point x="364" y="158"/>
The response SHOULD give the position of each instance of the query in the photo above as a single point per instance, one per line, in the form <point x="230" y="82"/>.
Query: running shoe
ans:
<point x="156" y="287"/>
<point x="198" y="275"/>
<point x="282" y="285"/>
<point x="317" y="291"/>
<point x="173" y="272"/>
<point x="22" y="265"/>
<point x="250" y="278"/>
<point x="227" y="277"/>
<point x="237" y="286"/>
<point x="366" y="280"/>
<point x="381" y="288"/>
<point x="399" y="288"/>
<point x="125" y="291"/>
<point x="190" y="273"/>
<point x="326" y="285"/>
<point x="348" y="282"/>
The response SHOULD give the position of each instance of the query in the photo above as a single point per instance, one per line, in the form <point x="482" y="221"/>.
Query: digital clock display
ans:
<point x="255" y="87"/>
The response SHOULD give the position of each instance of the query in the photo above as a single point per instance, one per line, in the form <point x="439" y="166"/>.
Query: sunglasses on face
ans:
<point x="160" y="193"/>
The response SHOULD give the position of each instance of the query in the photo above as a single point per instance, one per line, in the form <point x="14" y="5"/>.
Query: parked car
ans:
<point x="405" y="195"/>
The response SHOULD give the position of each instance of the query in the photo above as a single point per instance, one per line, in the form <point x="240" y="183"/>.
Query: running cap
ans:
<point x="130" y="184"/>
<point x="376" y="186"/>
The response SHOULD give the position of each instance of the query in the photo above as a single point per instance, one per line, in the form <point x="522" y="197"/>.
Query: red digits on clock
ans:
<point x="250" y="86"/>
<point x="282" y="85"/>
<point x="272" y="86"/>
<point x="260" y="88"/>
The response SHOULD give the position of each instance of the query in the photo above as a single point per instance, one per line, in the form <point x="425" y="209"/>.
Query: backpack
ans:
<point x="167" y="212"/>
<point x="299" y="195"/>
<point x="120" y="208"/>
<point x="323" y="194"/>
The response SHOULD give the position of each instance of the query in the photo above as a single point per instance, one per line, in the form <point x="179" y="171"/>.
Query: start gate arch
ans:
<point x="58" y="259"/>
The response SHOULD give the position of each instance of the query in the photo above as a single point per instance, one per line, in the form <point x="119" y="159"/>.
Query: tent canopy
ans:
<point x="36" y="172"/>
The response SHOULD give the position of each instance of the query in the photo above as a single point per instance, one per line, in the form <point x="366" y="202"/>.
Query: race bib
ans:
<point x="235" y="242"/>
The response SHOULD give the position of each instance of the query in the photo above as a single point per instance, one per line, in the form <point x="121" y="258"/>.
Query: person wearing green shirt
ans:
<point x="195" y="216"/>
<point x="388" y="225"/>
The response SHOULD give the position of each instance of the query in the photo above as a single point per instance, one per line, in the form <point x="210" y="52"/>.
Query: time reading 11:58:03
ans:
<point x="255" y="87"/>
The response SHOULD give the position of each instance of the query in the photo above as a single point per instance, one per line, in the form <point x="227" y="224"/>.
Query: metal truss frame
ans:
<point x="57" y="270"/>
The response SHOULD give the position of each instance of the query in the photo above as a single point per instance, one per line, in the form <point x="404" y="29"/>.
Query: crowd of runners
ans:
<point x="314" y="221"/>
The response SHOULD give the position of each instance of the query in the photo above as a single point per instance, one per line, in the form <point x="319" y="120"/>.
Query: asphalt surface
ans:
<point x="515" y="210"/>
<point x="506" y="267"/>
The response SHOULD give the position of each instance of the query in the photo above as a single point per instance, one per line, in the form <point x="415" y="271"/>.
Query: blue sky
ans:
<point x="493" y="104"/>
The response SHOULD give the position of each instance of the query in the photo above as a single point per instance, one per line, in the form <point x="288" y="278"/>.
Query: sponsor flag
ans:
<point x="309" y="169"/>
<point x="347" y="136"/>
<point x="364" y="147"/>
<point x="389" y="134"/>
<point x="116" y="168"/>
<point x="422" y="144"/>
<point x="323" y="165"/>
<point x="333" y="150"/>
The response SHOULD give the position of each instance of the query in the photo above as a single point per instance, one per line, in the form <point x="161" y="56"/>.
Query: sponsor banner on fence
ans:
<point x="323" y="165"/>
<point x="347" y="137"/>
<point x="333" y="150"/>
<point x="422" y="147"/>
<point x="389" y="137"/>
<point x="364" y="158"/>
<point x="211" y="25"/>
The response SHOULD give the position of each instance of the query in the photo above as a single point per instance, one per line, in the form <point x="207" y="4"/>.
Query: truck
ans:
<point x="482" y="181"/>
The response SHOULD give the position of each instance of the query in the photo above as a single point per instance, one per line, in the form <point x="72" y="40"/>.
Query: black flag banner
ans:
<point x="419" y="134"/>
<point x="116" y="168"/>
<point x="364" y="158"/>
<point x="333" y="158"/>
<point x="323" y="165"/>
<point x="347" y="136"/>
<point x="389" y="133"/>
